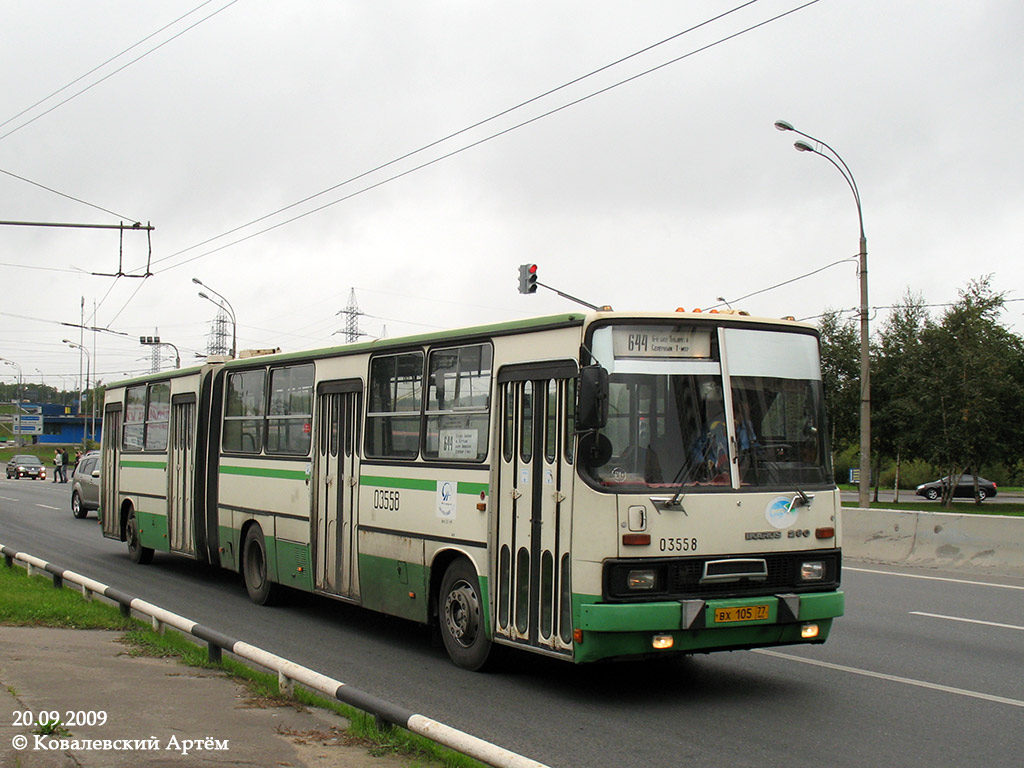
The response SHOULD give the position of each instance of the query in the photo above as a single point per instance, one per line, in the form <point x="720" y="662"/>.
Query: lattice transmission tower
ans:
<point x="352" y="313"/>
<point x="219" y="340"/>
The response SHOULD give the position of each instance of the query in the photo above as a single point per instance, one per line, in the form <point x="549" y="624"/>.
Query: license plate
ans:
<point x="741" y="613"/>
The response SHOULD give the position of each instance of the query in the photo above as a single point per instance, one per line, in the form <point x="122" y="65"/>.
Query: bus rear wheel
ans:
<point x="460" y="614"/>
<point x="136" y="552"/>
<point x="254" y="567"/>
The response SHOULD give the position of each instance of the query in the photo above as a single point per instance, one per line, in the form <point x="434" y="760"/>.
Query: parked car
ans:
<point x="85" y="485"/>
<point x="964" y="489"/>
<point x="26" y="466"/>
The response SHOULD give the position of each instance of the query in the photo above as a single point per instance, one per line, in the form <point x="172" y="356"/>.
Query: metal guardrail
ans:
<point x="288" y="672"/>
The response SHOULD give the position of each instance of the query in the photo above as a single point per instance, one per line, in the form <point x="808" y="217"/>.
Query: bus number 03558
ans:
<point x="678" y="544"/>
<point x="389" y="500"/>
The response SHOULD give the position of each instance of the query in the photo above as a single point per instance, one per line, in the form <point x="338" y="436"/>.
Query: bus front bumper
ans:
<point x="638" y="629"/>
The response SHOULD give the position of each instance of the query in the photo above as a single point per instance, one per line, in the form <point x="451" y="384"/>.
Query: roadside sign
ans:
<point x="28" y="424"/>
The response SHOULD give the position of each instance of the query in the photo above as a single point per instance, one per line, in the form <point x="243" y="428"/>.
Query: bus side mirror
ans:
<point x="592" y="405"/>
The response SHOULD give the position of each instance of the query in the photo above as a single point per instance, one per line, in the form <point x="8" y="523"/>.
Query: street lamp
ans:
<point x="864" y="483"/>
<point x="18" y="396"/>
<point x="92" y="416"/>
<point x="224" y="305"/>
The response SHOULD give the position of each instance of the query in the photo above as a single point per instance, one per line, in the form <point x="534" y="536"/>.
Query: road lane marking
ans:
<point x="969" y="621"/>
<point x="894" y="678"/>
<point x="47" y="506"/>
<point x="935" y="578"/>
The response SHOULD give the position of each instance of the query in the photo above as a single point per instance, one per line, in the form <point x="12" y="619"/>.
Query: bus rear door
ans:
<point x="110" y="457"/>
<point x="181" y="443"/>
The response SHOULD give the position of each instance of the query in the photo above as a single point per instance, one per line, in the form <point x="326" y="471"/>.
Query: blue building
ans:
<point x="62" y="424"/>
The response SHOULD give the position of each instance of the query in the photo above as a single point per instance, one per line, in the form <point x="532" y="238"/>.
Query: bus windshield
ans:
<point x="690" y="422"/>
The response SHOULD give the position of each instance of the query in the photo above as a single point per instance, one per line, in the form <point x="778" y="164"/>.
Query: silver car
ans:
<point x="85" y="485"/>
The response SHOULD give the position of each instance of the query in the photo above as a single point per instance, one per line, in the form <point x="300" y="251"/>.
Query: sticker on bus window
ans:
<point x="458" y="444"/>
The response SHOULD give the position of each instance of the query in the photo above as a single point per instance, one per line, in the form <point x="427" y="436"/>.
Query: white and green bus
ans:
<point x="586" y="486"/>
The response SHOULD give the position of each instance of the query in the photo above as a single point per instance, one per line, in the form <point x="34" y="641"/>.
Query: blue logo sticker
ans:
<point x="780" y="513"/>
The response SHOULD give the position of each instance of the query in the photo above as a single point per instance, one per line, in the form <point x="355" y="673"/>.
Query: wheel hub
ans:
<point x="461" y="612"/>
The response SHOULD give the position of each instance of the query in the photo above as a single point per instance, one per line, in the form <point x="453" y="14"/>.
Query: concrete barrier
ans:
<point x="980" y="543"/>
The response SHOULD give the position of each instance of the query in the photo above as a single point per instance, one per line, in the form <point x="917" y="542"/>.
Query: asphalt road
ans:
<point x="924" y="670"/>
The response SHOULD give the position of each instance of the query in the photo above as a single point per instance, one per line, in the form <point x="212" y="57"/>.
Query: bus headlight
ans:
<point x="812" y="571"/>
<point x="642" y="579"/>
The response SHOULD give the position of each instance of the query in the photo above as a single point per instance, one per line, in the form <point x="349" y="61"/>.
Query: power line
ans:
<point x="90" y="87"/>
<point x="96" y="68"/>
<point x="119" y="69"/>
<point x="474" y="144"/>
<point x="453" y="135"/>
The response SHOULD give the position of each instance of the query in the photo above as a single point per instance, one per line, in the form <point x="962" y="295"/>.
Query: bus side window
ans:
<point x="570" y="419"/>
<point x="395" y="404"/>
<point x="458" y="403"/>
<point x="243" y="412"/>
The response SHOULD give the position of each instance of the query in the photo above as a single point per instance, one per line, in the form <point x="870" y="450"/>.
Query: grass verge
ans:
<point x="957" y="508"/>
<point x="33" y="601"/>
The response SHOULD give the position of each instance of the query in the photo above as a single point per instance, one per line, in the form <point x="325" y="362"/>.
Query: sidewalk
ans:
<point x="159" y="712"/>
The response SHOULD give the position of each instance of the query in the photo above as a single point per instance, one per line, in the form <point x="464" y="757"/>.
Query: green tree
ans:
<point x="896" y="377"/>
<point x="972" y="386"/>
<point x="840" y="373"/>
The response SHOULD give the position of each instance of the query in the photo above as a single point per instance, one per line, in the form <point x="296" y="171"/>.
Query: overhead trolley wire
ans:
<point x="475" y="143"/>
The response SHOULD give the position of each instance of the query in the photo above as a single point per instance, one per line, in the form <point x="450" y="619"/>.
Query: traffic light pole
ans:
<point x="528" y="284"/>
<point x="565" y="295"/>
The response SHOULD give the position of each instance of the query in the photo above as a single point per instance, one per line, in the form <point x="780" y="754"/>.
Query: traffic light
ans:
<point x="527" y="278"/>
<point x="149" y="340"/>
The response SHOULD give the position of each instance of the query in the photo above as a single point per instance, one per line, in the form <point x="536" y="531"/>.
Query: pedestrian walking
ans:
<point x="64" y="462"/>
<point x="58" y="463"/>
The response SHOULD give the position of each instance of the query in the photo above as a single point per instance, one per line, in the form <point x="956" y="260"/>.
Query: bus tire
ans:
<point x="136" y="552"/>
<point x="461" y="617"/>
<point x="254" y="567"/>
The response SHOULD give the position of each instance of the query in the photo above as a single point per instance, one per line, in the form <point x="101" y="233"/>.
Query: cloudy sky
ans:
<point x="223" y="122"/>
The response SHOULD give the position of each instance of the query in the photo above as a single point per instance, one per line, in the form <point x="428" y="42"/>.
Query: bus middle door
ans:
<point x="336" y="477"/>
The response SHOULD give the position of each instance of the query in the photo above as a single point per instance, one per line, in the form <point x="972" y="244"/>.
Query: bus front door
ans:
<point x="533" y="594"/>
<point x="336" y="474"/>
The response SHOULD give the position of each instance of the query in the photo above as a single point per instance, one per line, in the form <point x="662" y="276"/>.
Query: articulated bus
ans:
<point x="586" y="486"/>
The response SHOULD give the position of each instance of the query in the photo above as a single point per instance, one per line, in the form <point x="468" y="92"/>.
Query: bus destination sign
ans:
<point x="664" y="342"/>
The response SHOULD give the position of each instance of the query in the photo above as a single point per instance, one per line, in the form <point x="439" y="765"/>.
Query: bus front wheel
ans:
<point x="254" y="567"/>
<point x="136" y="552"/>
<point x="460" y="614"/>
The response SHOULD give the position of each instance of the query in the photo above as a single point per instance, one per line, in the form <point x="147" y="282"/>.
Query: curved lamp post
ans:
<point x="224" y="305"/>
<point x="92" y="416"/>
<point x="864" y="484"/>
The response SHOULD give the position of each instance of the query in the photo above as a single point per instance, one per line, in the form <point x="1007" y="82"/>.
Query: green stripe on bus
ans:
<point x="407" y="483"/>
<point x="411" y="484"/>
<point x="144" y="464"/>
<point x="283" y="474"/>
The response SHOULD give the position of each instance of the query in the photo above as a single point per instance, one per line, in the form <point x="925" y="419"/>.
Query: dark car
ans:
<point x="26" y="466"/>
<point x="964" y="489"/>
<point x="85" y="485"/>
